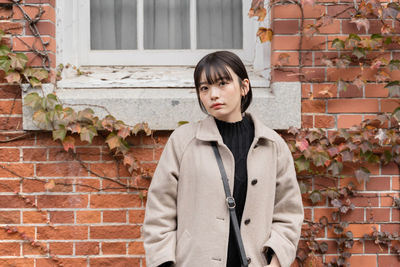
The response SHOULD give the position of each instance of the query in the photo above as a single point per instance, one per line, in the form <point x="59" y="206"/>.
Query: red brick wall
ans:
<point x="82" y="226"/>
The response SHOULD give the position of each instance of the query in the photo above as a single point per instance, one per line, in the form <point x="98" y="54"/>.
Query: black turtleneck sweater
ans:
<point x="237" y="136"/>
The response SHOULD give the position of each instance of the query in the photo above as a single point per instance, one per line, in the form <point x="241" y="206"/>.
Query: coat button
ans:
<point x="254" y="181"/>
<point x="247" y="221"/>
<point x="248" y="260"/>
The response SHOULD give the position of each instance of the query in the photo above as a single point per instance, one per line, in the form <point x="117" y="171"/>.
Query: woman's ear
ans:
<point x="245" y="87"/>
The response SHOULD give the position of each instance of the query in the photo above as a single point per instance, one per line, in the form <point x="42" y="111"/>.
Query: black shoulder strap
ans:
<point x="230" y="202"/>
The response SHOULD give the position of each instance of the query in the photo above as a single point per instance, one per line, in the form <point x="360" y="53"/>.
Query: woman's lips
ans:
<point x="216" y="106"/>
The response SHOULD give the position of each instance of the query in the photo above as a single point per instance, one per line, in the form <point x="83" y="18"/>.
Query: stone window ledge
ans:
<point x="163" y="96"/>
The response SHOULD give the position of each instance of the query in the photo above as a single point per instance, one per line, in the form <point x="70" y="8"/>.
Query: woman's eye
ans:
<point x="222" y="83"/>
<point x="204" y="88"/>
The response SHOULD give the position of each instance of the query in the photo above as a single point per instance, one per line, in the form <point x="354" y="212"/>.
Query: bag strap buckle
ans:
<point x="230" y="202"/>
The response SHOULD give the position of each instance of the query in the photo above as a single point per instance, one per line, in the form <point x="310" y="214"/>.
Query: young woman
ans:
<point x="187" y="221"/>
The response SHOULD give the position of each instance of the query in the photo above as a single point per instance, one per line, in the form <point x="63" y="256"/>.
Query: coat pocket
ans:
<point x="183" y="247"/>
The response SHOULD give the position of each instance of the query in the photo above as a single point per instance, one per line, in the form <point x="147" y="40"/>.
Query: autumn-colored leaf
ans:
<point x="382" y="76"/>
<point x="293" y="130"/>
<point x="41" y="118"/>
<point x="396" y="114"/>
<point x="32" y="100"/>
<point x="362" y="174"/>
<point x="13" y="77"/>
<point x="124" y="132"/>
<point x="265" y="34"/>
<point x="302" y="144"/>
<point x="315" y="196"/>
<point x="303" y="187"/>
<point x="283" y="59"/>
<point x="5" y="63"/>
<point x="4" y="51"/>
<point x="260" y="12"/>
<point x="394" y="64"/>
<point x="359" y="52"/>
<point x="68" y="143"/>
<point x="352" y="41"/>
<point x="108" y="123"/>
<point x="85" y="115"/>
<point x="341" y="85"/>
<point x="18" y="60"/>
<point x="359" y="83"/>
<point x="51" y="101"/>
<point x="360" y="23"/>
<point x="74" y="127"/>
<point x="141" y="127"/>
<point x="50" y="185"/>
<point x="87" y="133"/>
<point x="113" y="140"/>
<point x="394" y="88"/>
<point x="60" y="133"/>
<point x="335" y="168"/>
<point x="302" y="164"/>
<point x="35" y="83"/>
<point x="338" y="44"/>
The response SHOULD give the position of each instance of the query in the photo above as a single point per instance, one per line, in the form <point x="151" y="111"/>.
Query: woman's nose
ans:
<point x="214" y="92"/>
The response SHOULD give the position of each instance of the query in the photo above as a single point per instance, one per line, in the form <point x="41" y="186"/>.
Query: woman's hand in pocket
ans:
<point x="274" y="262"/>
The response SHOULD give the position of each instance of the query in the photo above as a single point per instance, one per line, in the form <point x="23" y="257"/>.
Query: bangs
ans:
<point x="213" y="72"/>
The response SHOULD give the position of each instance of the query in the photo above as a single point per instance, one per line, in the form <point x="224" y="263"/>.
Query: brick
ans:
<point x="62" y="232"/>
<point x="365" y="200"/>
<point x="113" y="248"/>
<point x="112" y="186"/>
<point x="353" y="106"/>
<point x="9" y="249"/>
<point x="17" y="262"/>
<point x="391" y="228"/>
<point x="14" y="202"/>
<point x="307" y="121"/>
<point x="62" y="185"/>
<point x="68" y="169"/>
<point x="10" y="92"/>
<point x="87" y="185"/>
<point x="114" y="261"/>
<point x="114" y="216"/>
<point x="313" y="11"/>
<point x="6" y="12"/>
<point x="87" y="248"/>
<point x="46" y="139"/>
<point x="88" y="216"/>
<point x="35" y="60"/>
<point x="136" y="248"/>
<point x="44" y="28"/>
<point x="104" y="169"/>
<point x="360" y="229"/>
<point x="62" y="201"/>
<point x="33" y="185"/>
<point x="65" y="262"/>
<point x="11" y="107"/>
<point x="306" y="90"/>
<point x="28" y="249"/>
<point x="61" y="248"/>
<point x="347" y="180"/>
<point x="389" y="105"/>
<point x="378" y="183"/>
<point x="324" y="90"/>
<point x="293" y="43"/>
<point x="9" y="186"/>
<point x="292" y="58"/>
<point x="143" y="154"/>
<point x="313" y="106"/>
<point x="347" y="121"/>
<point x="286" y="26"/>
<point x="34" y="154"/>
<point x="34" y="217"/>
<point x="10" y="217"/>
<point x="286" y="11"/>
<point x="88" y="154"/>
<point x="27" y="230"/>
<point x="387" y="199"/>
<point x="334" y="10"/>
<point x="350" y="74"/>
<point x="33" y="11"/>
<point x="376" y="90"/>
<point x="313" y="74"/>
<point x="115" y="201"/>
<point x="351" y="91"/>
<point x="349" y="27"/>
<point x="27" y="42"/>
<point x="371" y="247"/>
<point x="11" y="27"/>
<point x="324" y="121"/>
<point x="62" y="216"/>
<point x="285" y="75"/>
<point x="136" y="216"/>
<point x="378" y="215"/>
<point x="387" y="260"/>
<point x="114" y="232"/>
<point x="59" y="154"/>
<point x="390" y="169"/>
<point x="396" y="183"/>
<point x="10" y="123"/>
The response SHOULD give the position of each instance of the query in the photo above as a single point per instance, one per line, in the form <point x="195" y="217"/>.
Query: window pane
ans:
<point x="219" y="24"/>
<point x="166" y="24"/>
<point x="113" y="24"/>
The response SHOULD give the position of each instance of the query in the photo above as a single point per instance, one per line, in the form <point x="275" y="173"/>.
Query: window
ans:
<point x="156" y="32"/>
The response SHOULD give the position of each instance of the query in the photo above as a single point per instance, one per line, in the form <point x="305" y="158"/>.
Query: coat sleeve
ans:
<point x="288" y="209"/>
<point x="159" y="228"/>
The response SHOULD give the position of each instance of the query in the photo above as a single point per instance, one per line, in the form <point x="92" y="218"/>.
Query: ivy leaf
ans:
<point x="68" y="143"/>
<point x="324" y="221"/>
<point x="359" y="52"/>
<point x="315" y="197"/>
<point x="5" y="63"/>
<point x="360" y="22"/>
<point x="302" y="164"/>
<point x="335" y="167"/>
<point x="180" y="123"/>
<point x="323" y="247"/>
<point x="85" y="115"/>
<point x="394" y="64"/>
<point x="265" y="34"/>
<point x="302" y="144"/>
<point x="338" y="230"/>
<point x="35" y="83"/>
<point x="396" y="114"/>
<point x="320" y="159"/>
<point x="108" y="123"/>
<point x="18" y="61"/>
<point x="338" y="44"/>
<point x="124" y="132"/>
<point x="347" y="156"/>
<point x="303" y="187"/>
<point x="332" y="194"/>
<point x="341" y="85"/>
<point x="381" y="136"/>
<point x="4" y="50"/>
<point x="60" y="133"/>
<point x="362" y="174"/>
<point x="352" y="41"/>
<point x="87" y="133"/>
<point x="50" y="185"/>
<point x="41" y="117"/>
<point x="141" y="127"/>
<point x="260" y="12"/>
<point x="113" y="141"/>
<point x="366" y="146"/>
<point x="392" y="10"/>
<point x="13" y="77"/>
<point x="293" y="130"/>
<point x="394" y="88"/>
<point x="336" y="203"/>
<point x="32" y="100"/>
<point x="50" y="101"/>
<point x="39" y="74"/>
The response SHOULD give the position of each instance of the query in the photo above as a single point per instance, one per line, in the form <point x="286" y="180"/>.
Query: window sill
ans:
<point x="163" y="96"/>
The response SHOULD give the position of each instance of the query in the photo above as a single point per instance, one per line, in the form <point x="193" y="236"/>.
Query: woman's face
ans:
<point x="222" y="99"/>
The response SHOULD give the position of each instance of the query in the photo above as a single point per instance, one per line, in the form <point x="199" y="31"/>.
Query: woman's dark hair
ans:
<point x="214" y="66"/>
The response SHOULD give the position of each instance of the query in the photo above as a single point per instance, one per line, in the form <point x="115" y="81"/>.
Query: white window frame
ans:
<point x="74" y="19"/>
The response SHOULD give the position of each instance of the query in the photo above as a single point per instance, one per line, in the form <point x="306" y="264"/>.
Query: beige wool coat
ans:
<point x="187" y="220"/>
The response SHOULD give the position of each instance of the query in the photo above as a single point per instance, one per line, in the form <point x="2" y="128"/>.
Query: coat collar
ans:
<point x="207" y="130"/>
